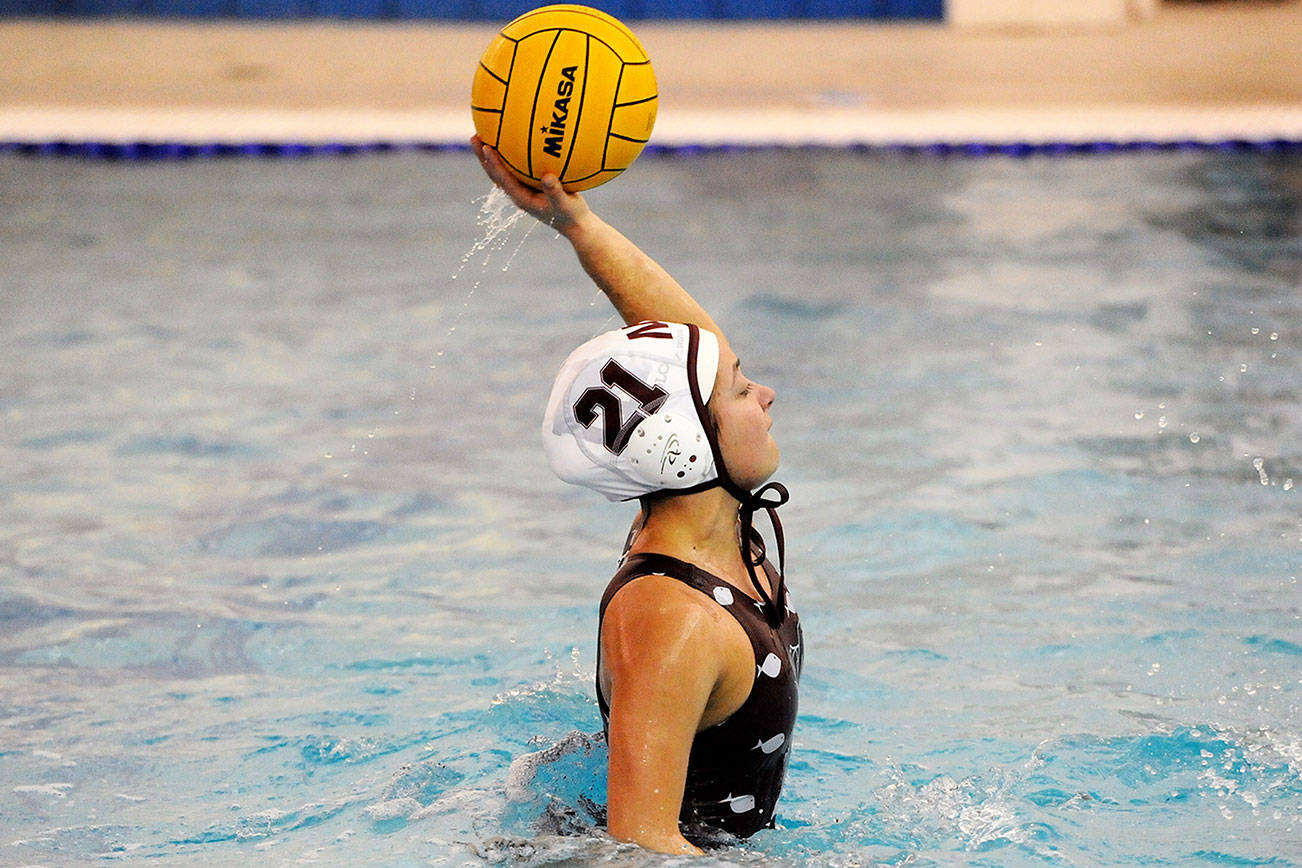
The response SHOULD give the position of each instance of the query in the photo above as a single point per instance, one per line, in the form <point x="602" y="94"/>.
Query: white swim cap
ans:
<point x="627" y="413"/>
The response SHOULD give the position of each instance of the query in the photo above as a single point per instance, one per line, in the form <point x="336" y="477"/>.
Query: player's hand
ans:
<point x="551" y="205"/>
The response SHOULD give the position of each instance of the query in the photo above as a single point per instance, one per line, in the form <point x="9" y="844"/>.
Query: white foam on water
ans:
<point x="525" y="767"/>
<point x="393" y="809"/>
<point x="57" y="790"/>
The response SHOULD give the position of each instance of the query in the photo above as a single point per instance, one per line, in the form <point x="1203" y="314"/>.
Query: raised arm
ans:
<point x="635" y="284"/>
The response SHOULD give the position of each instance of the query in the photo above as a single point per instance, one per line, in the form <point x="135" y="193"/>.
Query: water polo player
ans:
<point x="699" y="653"/>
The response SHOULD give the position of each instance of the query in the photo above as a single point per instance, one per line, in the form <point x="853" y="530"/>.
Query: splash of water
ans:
<point x="497" y="217"/>
<point x="524" y="768"/>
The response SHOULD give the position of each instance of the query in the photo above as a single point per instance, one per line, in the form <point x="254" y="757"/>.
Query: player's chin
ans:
<point x="763" y="470"/>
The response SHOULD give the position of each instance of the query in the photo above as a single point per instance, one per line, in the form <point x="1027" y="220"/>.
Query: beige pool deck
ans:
<point x="1196" y="70"/>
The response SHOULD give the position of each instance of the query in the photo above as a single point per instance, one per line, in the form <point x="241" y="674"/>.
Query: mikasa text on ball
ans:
<point x="565" y="89"/>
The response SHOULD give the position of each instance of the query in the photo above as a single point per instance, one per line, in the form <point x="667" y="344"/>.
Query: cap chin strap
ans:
<point x="750" y="542"/>
<point x="753" y="551"/>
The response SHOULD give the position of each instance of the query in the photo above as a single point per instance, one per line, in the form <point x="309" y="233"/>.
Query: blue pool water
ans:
<point x="284" y="579"/>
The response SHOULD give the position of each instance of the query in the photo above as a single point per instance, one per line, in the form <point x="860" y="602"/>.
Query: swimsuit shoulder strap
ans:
<point x="649" y="564"/>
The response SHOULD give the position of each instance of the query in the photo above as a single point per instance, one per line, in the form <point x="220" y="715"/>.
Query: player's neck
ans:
<point x="698" y="528"/>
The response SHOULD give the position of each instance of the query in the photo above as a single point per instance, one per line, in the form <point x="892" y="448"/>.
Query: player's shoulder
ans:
<point x="655" y="595"/>
<point x="658" y="604"/>
<point x="664" y="628"/>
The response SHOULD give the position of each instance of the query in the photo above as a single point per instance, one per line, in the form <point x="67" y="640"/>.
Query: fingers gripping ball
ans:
<point x="568" y="90"/>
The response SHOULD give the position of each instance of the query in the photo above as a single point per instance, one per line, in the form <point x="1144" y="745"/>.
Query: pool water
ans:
<point x="284" y="578"/>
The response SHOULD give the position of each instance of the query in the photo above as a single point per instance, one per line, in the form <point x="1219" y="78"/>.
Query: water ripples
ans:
<point x="284" y="579"/>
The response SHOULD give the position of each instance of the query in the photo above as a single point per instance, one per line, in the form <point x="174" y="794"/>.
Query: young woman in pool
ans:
<point x="698" y="653"/>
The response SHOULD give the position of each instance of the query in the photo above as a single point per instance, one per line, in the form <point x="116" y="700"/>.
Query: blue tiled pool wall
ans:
<point x="474" y="9"/>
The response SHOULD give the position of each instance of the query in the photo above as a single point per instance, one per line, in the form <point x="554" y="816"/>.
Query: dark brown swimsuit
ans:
<point x="735" y="771"/>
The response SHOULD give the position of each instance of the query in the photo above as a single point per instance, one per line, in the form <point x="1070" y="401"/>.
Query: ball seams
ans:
<point x="610" y="118"/>
<point x="533" y="109"/>
<point x="637" y="101"/>
<point x="578" y="10"/>
<point x="505" y="81"/>
<point x="644" y="62"/>
<point x="593" y="150"/>
<point x="589" y="39"/>
<point x="583" y="101"/>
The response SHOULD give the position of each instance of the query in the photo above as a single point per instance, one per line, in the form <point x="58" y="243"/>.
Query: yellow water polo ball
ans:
<point x="565" y="89"/>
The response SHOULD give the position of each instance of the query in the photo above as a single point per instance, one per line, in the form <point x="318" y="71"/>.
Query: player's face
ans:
<point x="740" y="408"/>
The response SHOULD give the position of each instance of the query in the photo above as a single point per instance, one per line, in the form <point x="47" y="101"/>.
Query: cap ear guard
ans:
<point x="705" y="365"/>
<point x="669" y="450"/>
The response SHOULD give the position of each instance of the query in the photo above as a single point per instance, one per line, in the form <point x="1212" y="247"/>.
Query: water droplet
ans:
<point x="1243" y="369"/>
<point x="1274" y="336"/>
<point x="1260" y="465"/>
<point x="1256" y="331"/>
<point x="1161" y="421"/>
<point x="1139" y="414"/>
<point x="1194" y="438"/>
<point x="1288" y="484"/>
<point x="1161" y="406"/>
